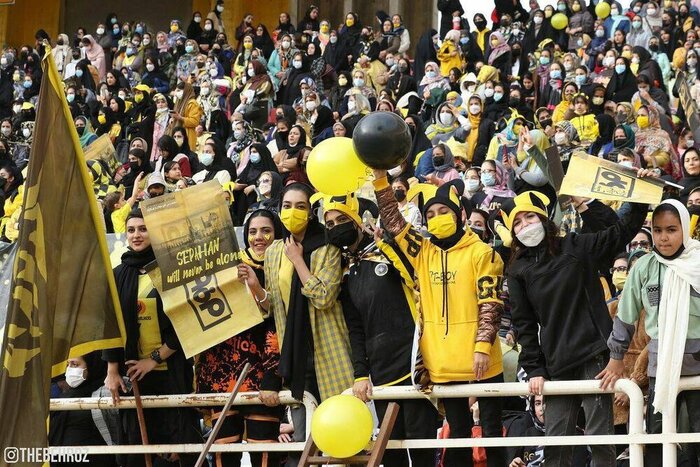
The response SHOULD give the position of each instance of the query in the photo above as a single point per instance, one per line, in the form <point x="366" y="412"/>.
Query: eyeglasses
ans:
<point x="618" y="269"/>
<point x="639" y="244"/>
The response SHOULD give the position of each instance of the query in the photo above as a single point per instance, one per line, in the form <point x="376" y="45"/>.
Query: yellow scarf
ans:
<point x="473" y="136"/>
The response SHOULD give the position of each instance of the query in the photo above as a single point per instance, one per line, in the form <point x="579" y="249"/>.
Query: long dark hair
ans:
<point x="297" y="186"/>
<point x="551" y="237"/>
<point x="274" y="218"/>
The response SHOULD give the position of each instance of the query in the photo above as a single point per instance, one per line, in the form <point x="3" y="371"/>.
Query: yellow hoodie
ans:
<point x="473" y="276"/>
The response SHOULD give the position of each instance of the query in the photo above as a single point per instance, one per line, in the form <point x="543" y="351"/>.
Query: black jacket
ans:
<point x="557" y="302"/>
<point x="379" y="321"/>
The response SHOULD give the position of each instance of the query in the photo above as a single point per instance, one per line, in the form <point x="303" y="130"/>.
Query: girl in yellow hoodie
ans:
<point x="460" y="279"/>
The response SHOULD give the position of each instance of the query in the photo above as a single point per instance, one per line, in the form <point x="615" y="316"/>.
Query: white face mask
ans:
<point x="531" y="235"/>
<point x="474" y="109"/>
<point x="122" y="97"/>
<point x="100" y="31"/>
<point x="26" y="132"/>
<point x="75" y="376"/>
<point x="351" y="106"/>
<point x="251" y="72"/>
<point x="204" y="91"/>
<point x="213" y="72"/>
<point x="179" y="93"/>
<point x="537" y="19"/>
<point x="447" y="119"/>
<point x="560" y="138"/>
<point x="285" y="44"/>
<point x="150" y="66"/>
<point x="146" y="41"/>
<point x="6" y="131"/>
<point x="296" y="64"/>
<point x="310" y="106"/>
<point x="488" y="92"/>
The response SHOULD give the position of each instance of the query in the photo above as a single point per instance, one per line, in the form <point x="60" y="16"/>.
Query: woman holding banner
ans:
<point x="152" y="357"/>
<point x="218" y="367"/>
<point x="559" y="310"/>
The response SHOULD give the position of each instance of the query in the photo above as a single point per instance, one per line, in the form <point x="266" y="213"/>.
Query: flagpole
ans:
<point x="220" y="421"/>
<point x="142" y="420"/>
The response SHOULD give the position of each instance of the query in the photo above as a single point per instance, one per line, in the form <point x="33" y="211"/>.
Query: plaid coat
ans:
<point x="333" y="364"/>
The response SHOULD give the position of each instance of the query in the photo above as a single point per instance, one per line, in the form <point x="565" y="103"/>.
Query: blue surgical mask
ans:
<point x="358" y="82"/>
<point x="472" y="185"/>
<point x="79" y="73"/>
<point x="70" y="97"/>
<point x="497" y="96"/>
<point x="619" y="69"/>
<point x="555" y="74"/>
<point x="430" y="74"/>
<point x="561" y="7"/>
<point x="189" y="49"/>
<point x="488" y="179"/>
<point x="27" y="84"/>
<point x="580" y="80"/>
<point x="254" y="157"/>
<point x="464" y="40"/>
<point x="544" y="60"/>
<point x="600" y="33"/>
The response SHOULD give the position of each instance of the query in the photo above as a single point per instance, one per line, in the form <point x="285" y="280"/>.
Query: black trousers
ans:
<point x="461" y="422"/>
<point x="417" y="419"/>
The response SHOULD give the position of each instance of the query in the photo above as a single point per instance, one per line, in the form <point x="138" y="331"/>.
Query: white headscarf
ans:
<point x="682" y="273"/>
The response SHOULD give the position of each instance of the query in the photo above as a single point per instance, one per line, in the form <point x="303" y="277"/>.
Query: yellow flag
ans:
<point x="63" y="299"/>
<point x="592" y="177"/>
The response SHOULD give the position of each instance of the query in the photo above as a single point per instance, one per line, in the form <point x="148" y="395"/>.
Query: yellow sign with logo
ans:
<point x="592" y="177"/>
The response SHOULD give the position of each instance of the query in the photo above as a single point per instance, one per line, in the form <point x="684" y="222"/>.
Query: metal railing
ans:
<point x="636" y="438"/>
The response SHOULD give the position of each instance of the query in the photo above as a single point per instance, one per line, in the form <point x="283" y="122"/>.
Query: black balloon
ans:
<point x="382" y="140"/>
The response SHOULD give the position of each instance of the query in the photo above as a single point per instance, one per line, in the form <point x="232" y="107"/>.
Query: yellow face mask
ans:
<point x="627" y="54"/>
<point x="618" y="279"/>
<point x="576" y="7"/>
<point x="396" y="25"/>
<point x="494" y="43"/>
<point x="442" y="226"/>
<point x="174" y="28"/>
<point x="102" y="119"/>
<point x="643" y="121"/>
<point x="349" y="22"/>
<point x="295" y="220"/>
<point x="517" y="129"/>
<point x="138" y="97"/>
<point x="324" y="29"/>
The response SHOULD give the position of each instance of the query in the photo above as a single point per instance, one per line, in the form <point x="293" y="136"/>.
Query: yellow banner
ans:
<point x="592" y="177"/>
<point x="197" y="251"/>
<point x="103" y="150"/>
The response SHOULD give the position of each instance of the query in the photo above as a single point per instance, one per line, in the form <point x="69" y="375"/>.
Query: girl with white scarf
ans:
<point x="667" y="285"/>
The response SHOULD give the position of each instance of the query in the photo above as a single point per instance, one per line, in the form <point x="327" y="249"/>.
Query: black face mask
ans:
<point x="480" y="25"/>
<point x="134" y="166"/>
<point x="155" y="194"/>
<point x="546" y="122"/>
<point x="479" y="232"/>
<point x="513" y="102"/>
<point x="343" y="235"/>
<point x="621" y="117"/>
<point x="200" y="64"/>
<point x="3" y="182"/>
<point x="515" y="52"/>
<point x="654" y="47"/>
<point x="438" y="161"/>
<point x="400" y="195"/>
<point x="694" y="210"/>
<point x="81" y="130"/>
<point x="403" y="68"/>
<point x="619" y="142"/>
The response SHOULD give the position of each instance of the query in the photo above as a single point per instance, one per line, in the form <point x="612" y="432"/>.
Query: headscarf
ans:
<point x="475" y="121"/>
<point x="654" y="138"/>
<point x="293" y="151"/>
<point x="448" y="165"/>
<point x="252" y="172"/>
<point x="689" y="182"/>
<point x="261" y="77"/>
<point x="87" y="133"/>
<point x="500" y="189"/>
<point x="438" y="77"/>
<point x="629" y="134"/>
<point x="606" y="129"/>
<point x="501" y="49"/>
<point x="682" y="274"/>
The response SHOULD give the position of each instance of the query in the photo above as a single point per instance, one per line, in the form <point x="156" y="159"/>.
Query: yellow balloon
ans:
<point x="559" y="21"/>
<point x="342" y="426"/>
<point x="334" y="168"/>
<point x="602" y="10"/>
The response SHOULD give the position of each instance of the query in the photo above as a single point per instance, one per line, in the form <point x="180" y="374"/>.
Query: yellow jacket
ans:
<point x="470" y="275"/>
<point x="447" y="61"/>
<point x="13" y="209"/>
<point x="587" y="127"/>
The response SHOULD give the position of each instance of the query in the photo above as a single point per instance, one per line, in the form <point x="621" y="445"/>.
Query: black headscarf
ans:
<point x="264" y="42"/>
<point x="606" y="128"/>
<point x="275" y="191"/>
<point x="126" y="276"/>
<point x="688" y="182"/>
<point x="420" y="140"/>
<point x="194" y="30"/>
<point x="86" y="79"/>
<point x="220" y="162"/>
<point x="252" y="171"/>
<point x="298" y="337"/>
<point x="107" y="125"/>
<point x="324" y="120"/>
<point x="120" y="114"/>
<point x="294" y="151"/>
<point x="622" y="87"/>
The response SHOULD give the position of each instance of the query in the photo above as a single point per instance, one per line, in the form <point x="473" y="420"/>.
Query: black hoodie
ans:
<point x="557" y="302"/>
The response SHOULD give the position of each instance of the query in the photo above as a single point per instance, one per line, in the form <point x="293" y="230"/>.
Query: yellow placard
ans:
<point x="592" y="177"/>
